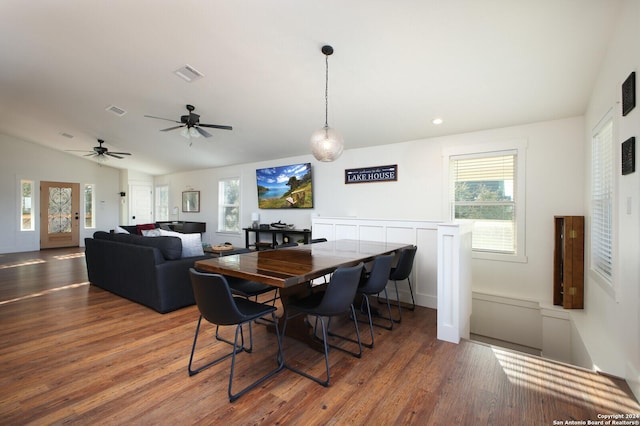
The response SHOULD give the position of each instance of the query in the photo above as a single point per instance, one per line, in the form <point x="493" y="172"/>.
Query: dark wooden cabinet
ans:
<point x="568" y="262"/>
<point x="184" y="227"/>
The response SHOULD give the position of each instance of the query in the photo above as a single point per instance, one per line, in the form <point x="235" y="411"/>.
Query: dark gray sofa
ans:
<point x="146" y="270"/>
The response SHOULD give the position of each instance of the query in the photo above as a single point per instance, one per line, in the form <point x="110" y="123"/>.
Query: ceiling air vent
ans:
<point x="67" y="135"/>
<point x="188" y="73"/>
<point x="116" y="110"/>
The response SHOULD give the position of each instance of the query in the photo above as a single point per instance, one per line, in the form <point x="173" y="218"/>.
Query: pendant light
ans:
<point x="326" y="143"/>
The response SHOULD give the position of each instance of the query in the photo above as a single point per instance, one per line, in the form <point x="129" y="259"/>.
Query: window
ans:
<point x="162" y="203"/>
<point x="26" y="206"/>
<point x="229" y="205"/>
<point x="602" y="181"/>
<point x="89" y="206"/>
<point x="486" y="189"/>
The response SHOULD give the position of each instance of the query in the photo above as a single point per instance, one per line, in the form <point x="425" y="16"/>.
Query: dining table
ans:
<point x="292" y="269"/>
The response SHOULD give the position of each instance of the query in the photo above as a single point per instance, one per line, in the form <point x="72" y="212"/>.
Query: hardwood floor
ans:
<point x="73" y="353"/>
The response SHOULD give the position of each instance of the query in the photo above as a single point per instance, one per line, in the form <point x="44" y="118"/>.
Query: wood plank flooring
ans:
<point x="73" y="353"/>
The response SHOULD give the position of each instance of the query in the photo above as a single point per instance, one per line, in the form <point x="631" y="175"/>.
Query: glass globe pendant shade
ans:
<point x="326" y="144"/>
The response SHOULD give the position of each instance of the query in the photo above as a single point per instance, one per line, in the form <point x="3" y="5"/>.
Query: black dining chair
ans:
<point x="218" y="306"/>
<point x="318" y="240"/>
<point x="249" y="289"/>
<point x="401" y="272"/>
<point x="336" y="300"/>
<point x="375" y="282"/>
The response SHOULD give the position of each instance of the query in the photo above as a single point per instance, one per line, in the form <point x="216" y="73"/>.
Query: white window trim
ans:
<point x="93" y="206"/>
<point x="518" y="145"/>
<point x="35" y="195"/>
<point x="225" y="232"/>
<point x="610" y="287"/>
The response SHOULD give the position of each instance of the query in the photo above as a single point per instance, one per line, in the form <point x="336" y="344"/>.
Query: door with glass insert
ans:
<point x="59" y="214"/>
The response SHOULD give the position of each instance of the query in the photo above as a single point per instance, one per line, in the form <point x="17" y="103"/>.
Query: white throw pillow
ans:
<point x="151" y="232"/>
<point x="191" y="243"/>
<point x="120" y="230"/>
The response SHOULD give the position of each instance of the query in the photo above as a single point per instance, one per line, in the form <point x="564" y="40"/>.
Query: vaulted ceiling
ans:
<point x="477" y="64"/>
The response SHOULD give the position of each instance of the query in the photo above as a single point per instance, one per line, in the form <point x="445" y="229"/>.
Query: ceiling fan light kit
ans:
<point x="100" y="152"/>
<point x="190" y="125"/>
<point x="326" y="143"/>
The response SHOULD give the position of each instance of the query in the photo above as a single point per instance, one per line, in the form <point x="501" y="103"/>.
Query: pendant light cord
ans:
<point x="326" y="92"/>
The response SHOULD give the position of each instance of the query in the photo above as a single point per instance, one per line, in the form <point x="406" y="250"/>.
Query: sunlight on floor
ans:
<point x="25" y="263"/>
<point x="69" y="256"/>
<point x="44" y="293"/>
<point x="563" y="382"/>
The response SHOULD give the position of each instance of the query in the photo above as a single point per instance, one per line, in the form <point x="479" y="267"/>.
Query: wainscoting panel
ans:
<point x="425" y="276"/>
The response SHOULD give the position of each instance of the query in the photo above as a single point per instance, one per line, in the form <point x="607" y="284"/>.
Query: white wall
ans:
<point x="25" y="160"/>
<point x="610" y="323"/>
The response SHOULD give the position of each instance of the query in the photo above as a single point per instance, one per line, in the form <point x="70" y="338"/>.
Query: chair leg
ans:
<point x="365" y="300"/>
<point x="413" y="301"/>
<point x="358" y="341"/>
<point x="280" y="358"/>
<point x="324" y="383"/>
<point x="215" y="361"/>
<point x="222" y="339"/>
<point x="400" y="307"/>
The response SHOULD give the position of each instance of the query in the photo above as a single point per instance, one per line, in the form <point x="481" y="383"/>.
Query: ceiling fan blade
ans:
<point x="113" y="154"/>
<point x="203" y="132"/>
<point x="216" y="126"/>
<point x="91" y="154"/>
<point x="119" y="153"/>
<point x="76" y="150"/>
<point x="161" y="118"/>
<point x="172" y="128"/>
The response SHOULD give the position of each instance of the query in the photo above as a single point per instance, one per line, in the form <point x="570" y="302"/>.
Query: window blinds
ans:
<point x="602" y="201"/>
<point x="483" y="190"/>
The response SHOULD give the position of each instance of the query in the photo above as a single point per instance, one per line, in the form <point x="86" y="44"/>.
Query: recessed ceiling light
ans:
<point x="437" y="121"/>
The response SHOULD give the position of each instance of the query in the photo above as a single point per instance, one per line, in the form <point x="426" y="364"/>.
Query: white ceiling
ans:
<point x="478" y="64"/>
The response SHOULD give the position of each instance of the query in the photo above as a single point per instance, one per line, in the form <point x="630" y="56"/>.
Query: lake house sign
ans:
<point x="371" y="174"/>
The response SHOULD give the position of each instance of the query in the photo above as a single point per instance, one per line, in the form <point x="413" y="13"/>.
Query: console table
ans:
<point x="185" y="227"/>
<point x="274" y="232"/>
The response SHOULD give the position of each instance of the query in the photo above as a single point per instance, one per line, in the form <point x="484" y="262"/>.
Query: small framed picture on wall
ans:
<point x="191" y="201"/>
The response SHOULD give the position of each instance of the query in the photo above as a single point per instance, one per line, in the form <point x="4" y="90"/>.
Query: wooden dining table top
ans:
<point x="291" y="266"/>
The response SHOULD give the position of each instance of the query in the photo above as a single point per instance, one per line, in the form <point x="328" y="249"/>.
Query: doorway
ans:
<point x="141" y="204"/>
<point x="59" y="214"/>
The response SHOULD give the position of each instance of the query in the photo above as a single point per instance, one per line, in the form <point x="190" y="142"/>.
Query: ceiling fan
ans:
<point x="191" y="124"/>
<point x="100" y="152"/>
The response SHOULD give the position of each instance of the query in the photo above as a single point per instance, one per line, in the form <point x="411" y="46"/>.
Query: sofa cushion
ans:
<point x="144" y="226"/>
<point x="102" y="235"/>
<point x="169" y="246"/>
<point x="191" y="243"/>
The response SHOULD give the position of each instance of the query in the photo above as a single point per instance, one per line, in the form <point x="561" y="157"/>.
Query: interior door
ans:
<point x="141" y="204"/>
<point x="59" y="214"/>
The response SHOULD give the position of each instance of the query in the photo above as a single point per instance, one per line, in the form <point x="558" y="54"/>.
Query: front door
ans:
<point x="59" y="214"/>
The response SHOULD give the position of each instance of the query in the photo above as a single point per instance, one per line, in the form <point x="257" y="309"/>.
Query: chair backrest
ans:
<point x="404" y="265"/>
<point x="214" y="299"/>
<point x="379" y="275"/>
<point x="340" y="291"/>
<point x="318" y="240"/>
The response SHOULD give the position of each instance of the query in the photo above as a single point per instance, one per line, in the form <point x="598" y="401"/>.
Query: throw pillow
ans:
<point x="151" y="232"/>
<point x="120" y="230"/>
<point x="140" y="228"/>
<point x="191" y="243"/>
